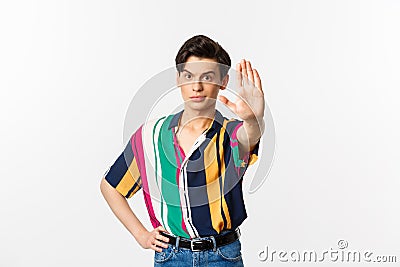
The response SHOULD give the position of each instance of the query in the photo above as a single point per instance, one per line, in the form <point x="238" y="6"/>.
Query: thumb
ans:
<point x="228" y="103"/>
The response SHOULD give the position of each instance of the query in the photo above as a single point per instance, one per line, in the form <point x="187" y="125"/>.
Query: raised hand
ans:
<point x="250" y="104"/>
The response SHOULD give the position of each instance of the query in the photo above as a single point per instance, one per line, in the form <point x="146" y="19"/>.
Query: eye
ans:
<point x="207" y="78"/>
<point x="188" y="76"/>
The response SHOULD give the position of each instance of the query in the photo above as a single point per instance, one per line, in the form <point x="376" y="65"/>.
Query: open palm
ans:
<point x="250" y="103"/>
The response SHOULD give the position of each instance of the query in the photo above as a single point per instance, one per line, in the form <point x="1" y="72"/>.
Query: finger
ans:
<point x="163" y="238"/>
<point x="228" y="103"/>
<point x="257" y="80"/>
<point x="250" y="72"/>
<point x="244" y="70"/>
<point x="155" y="244"/>
<point x="161" y="244"/>
<point x="151" y="243"/>
<point x="239" y="74"/>
<point x="155" y="248"/>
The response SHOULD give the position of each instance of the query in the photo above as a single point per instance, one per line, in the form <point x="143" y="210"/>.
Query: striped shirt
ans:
<point x="194" y="195"/>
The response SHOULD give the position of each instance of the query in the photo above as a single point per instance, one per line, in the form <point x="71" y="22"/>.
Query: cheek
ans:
<point x="185" y="91"/>
<point x="213" y="91"/>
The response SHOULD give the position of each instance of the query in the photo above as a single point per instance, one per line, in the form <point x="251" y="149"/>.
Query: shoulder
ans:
<point x="145" y="128"/>
<point x="157" y="123"/>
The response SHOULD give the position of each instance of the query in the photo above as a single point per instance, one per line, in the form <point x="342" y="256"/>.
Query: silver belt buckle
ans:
<point x="192" y="246"/>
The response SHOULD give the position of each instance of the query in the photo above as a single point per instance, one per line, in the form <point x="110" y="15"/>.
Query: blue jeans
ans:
<point x="229" y="255"/>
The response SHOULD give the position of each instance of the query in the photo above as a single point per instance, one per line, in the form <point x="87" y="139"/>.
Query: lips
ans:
<point x="197" y="98"/>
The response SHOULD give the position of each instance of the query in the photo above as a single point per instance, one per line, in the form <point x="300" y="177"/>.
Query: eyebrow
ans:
<point x="207" y="72"/>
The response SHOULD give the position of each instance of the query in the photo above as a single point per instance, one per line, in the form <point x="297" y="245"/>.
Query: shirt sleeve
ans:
<point x="248" y="158"/>
<point x="124" y="173"/>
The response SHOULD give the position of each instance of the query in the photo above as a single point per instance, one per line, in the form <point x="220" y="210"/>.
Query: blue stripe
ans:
<point x="196" y="178"/>
<point x="120" y="166"/>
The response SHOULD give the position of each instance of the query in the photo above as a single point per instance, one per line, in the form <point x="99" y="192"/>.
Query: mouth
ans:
<point x="197" y="98"/>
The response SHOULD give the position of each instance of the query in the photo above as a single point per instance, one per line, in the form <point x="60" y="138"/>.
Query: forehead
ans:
<point x="196" y="65"/>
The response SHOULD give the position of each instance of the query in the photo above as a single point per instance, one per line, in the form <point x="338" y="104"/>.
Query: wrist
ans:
<point x="254" y="129"/>
<point x="254" y="125"/>
<point x="141" y="236"/>
<point x="253" y="122"/>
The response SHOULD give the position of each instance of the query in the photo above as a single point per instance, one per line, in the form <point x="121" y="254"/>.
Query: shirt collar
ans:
<point x="218" y="120"/>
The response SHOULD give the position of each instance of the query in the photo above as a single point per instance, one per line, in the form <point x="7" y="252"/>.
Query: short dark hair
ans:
<point x="203" y="47"/>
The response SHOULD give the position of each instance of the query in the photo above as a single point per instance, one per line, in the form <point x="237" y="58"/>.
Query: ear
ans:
<point x="225" y="82"/>
<point x="177" y="78"/>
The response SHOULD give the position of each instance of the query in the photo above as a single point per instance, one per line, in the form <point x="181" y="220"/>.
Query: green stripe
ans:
<point x="156" y="169"/>
<point x="236" y="155"/>
<point x="169" y="186"/>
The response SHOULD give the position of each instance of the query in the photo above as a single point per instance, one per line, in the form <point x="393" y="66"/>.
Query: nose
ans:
<point x="197" y="86"/>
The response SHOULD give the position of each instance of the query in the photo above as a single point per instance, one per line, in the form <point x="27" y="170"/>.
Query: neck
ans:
<point x="197" y="120"/>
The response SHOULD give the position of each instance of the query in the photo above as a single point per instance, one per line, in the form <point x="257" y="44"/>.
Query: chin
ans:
<point x="200" y="106"/>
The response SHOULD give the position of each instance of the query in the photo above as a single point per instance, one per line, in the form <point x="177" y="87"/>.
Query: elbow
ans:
<point x="103" y="186"/>
<point x="107" y="190"/>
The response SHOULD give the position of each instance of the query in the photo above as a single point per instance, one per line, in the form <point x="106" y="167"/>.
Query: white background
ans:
<point x="69" y="69"/>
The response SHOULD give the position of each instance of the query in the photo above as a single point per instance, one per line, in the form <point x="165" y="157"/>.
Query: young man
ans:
<point x="190" y="164"/>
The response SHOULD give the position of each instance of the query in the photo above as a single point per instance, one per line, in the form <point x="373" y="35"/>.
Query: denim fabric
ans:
<point x="229" y="255"/>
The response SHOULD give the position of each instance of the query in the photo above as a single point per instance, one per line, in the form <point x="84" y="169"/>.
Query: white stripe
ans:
<point x="159" y="178"/>
<point x="150" y="157"/>
<point x="186" y="212"/>
<point x="184" y="194"/>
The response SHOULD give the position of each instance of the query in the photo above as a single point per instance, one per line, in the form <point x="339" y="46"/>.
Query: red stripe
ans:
<point x="137" y="147"/>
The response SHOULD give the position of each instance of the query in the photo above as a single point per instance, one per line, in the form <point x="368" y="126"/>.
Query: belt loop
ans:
<point x="214" y="243"/>
<point x="177" y="243"/>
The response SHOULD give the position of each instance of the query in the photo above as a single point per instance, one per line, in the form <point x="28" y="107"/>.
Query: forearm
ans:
<point x="254" y="129"/>
<point x="120" y="207"/>
<point x="249" y="134"/>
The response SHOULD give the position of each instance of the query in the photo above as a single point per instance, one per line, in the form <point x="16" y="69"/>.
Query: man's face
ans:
<point x="200" y="82"/>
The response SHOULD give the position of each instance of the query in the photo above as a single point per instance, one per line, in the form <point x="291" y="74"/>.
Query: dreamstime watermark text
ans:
<point x="339" y="254"/>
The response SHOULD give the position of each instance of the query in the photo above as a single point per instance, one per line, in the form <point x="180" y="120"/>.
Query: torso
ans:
<point x="186" y="135"/>
<point x="186" y="138"/>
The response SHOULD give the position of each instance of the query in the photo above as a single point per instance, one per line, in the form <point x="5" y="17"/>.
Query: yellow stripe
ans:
<point x="213" y="191"/>
<point x="253" y="159"/>
<point x="221" y="152"/>
<point x="134" y="191"/>
<point x="129" y="179"/>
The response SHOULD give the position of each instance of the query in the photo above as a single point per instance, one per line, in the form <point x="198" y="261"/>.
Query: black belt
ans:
<point x="204" y="244"/>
